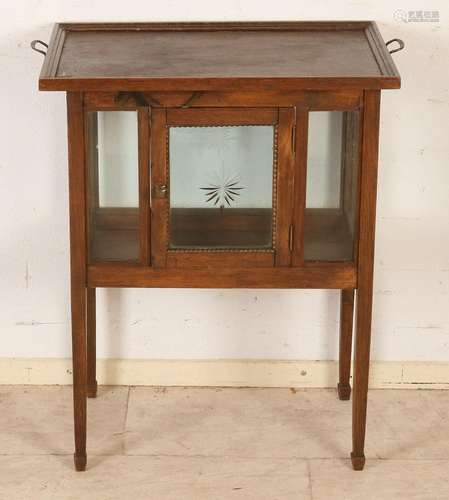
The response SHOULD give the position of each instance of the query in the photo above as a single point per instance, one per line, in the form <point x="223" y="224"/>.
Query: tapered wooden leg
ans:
<point x="361" y="373"/>
<point x="79" y="353"/>
<point x="78" y="278"/>
<point x="91" y="344"/>
<point x="346" y="325"/>
<point x="365" y="267"/>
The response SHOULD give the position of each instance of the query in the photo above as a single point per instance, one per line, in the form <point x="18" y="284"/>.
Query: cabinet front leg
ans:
<point x="91" y="344"/>
<point x="361" y="374"/>
<point x="346" y="326"/>
<point x="79" y="353"/>
<point x="367" y="218"/>
<point x="78" y="278"/>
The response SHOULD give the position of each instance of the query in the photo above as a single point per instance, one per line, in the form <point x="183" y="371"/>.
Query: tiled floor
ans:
<point x="261" y="444"/>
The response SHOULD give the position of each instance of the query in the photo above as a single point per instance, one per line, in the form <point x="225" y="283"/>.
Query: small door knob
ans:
<point x="160" y="191"/>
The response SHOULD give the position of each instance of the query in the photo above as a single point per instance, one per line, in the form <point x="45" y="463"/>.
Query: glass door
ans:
<point x="215" y="186"/>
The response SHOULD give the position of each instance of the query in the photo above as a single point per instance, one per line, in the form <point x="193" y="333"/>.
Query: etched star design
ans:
<point x="222" y="193"/>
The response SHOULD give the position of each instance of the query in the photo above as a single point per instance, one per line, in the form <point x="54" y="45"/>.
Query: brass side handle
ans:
<point x="34" y="44"/>
<point x="400" y="43"/>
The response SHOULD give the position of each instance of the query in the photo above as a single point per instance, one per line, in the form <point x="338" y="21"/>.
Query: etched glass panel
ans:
<point x="221" y="187"/>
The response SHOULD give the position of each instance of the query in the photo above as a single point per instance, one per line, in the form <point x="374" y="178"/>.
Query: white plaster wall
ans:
<point x="411" y="303"/>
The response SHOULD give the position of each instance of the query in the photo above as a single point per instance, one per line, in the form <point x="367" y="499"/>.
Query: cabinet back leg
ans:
<point x="91" y="344"/>
<point x="346" y="326"/>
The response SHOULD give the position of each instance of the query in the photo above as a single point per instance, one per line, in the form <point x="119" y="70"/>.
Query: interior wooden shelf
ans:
<point x="112" y="244"/>
<point x="327" y="236"/>
<point x="220" y="228"/>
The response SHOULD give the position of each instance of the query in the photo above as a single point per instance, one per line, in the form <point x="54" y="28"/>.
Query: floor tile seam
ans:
<point x="228" y="457"/>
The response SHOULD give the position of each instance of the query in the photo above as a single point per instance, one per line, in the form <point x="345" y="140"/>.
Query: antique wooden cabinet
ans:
<point x="222" y="155"/>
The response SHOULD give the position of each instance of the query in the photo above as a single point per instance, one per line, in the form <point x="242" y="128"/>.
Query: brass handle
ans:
<point x="400" y="43"/>
<point x="34" y="45"/>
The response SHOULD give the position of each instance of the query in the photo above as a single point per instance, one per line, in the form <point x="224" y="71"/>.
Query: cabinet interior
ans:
<point x="221" y="185"/>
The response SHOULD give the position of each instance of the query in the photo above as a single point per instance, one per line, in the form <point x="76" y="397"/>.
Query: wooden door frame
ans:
<point x="283" y="121"/>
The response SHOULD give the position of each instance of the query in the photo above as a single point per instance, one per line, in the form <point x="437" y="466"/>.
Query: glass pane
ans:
<point x="332" y="174"/>
<point x="221" y="187"/>
<point x="113" y="171"/>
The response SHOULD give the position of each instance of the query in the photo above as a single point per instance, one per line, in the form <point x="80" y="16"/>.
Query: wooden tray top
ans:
<point x="217" y="56"/>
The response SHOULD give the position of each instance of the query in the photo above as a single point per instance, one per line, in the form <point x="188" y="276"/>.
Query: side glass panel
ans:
<point x="332" y="185"/>
<point x="113" y="186"/>
<point x="221" y="187"/>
